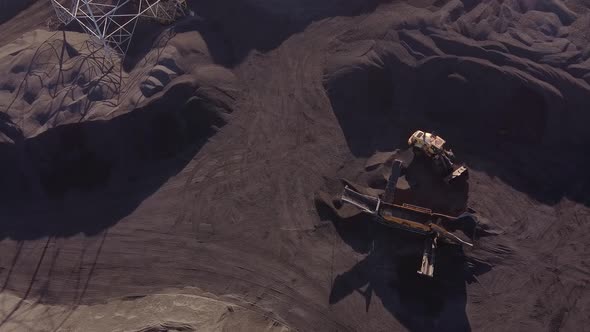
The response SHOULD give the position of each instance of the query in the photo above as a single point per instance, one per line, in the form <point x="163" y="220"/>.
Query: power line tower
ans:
<point x="112" y="22"/>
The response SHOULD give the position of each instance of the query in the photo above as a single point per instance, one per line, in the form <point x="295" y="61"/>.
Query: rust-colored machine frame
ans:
<point x="407" y="217"/>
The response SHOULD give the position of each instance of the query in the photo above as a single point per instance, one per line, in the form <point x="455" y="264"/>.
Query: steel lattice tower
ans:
<point x="112" y="22"/>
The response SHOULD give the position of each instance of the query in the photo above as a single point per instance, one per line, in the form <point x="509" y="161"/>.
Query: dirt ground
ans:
<point x="187" y="174"/>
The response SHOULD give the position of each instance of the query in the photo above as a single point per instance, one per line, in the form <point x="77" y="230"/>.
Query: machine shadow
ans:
<point x="389" y="272"/>
<point x="85" y="177"/>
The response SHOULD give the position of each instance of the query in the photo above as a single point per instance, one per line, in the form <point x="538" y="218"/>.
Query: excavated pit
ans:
<point x="474" y="106"/>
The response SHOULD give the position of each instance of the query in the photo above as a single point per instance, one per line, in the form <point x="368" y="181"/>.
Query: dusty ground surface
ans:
<point x="195" y="164"/>
<point x="159" y="312"/>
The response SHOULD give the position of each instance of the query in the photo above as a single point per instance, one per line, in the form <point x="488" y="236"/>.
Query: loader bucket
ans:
<point x="459" y="174"/>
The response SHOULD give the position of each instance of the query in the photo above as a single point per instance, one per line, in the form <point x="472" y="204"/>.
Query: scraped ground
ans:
<point x="197" y="167"/>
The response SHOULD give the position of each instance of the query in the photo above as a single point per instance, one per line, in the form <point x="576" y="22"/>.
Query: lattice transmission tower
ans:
<point x="112" y="23"/>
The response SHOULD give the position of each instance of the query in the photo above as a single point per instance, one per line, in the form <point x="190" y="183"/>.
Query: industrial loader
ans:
<point x="432" y="146"/>
<point x="435" y="227"/>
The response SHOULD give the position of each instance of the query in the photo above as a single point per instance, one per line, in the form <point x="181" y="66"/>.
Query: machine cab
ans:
<point x="428" y="142"/>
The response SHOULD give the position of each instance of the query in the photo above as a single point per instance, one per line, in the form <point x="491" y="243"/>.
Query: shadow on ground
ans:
<point x="510" y="133"/>
<point x="9" y="129"/>
<point x="256" y="25"/>
<point x="389" y="272"/>
<point x="12" y="8"/>
<point x="85" y="177"/>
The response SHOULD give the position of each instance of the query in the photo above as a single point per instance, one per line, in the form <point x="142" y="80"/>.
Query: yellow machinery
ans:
<point x="415" y="219"/>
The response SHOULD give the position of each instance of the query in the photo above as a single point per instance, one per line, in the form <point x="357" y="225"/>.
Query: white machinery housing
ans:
<point x="433" y="146"/>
